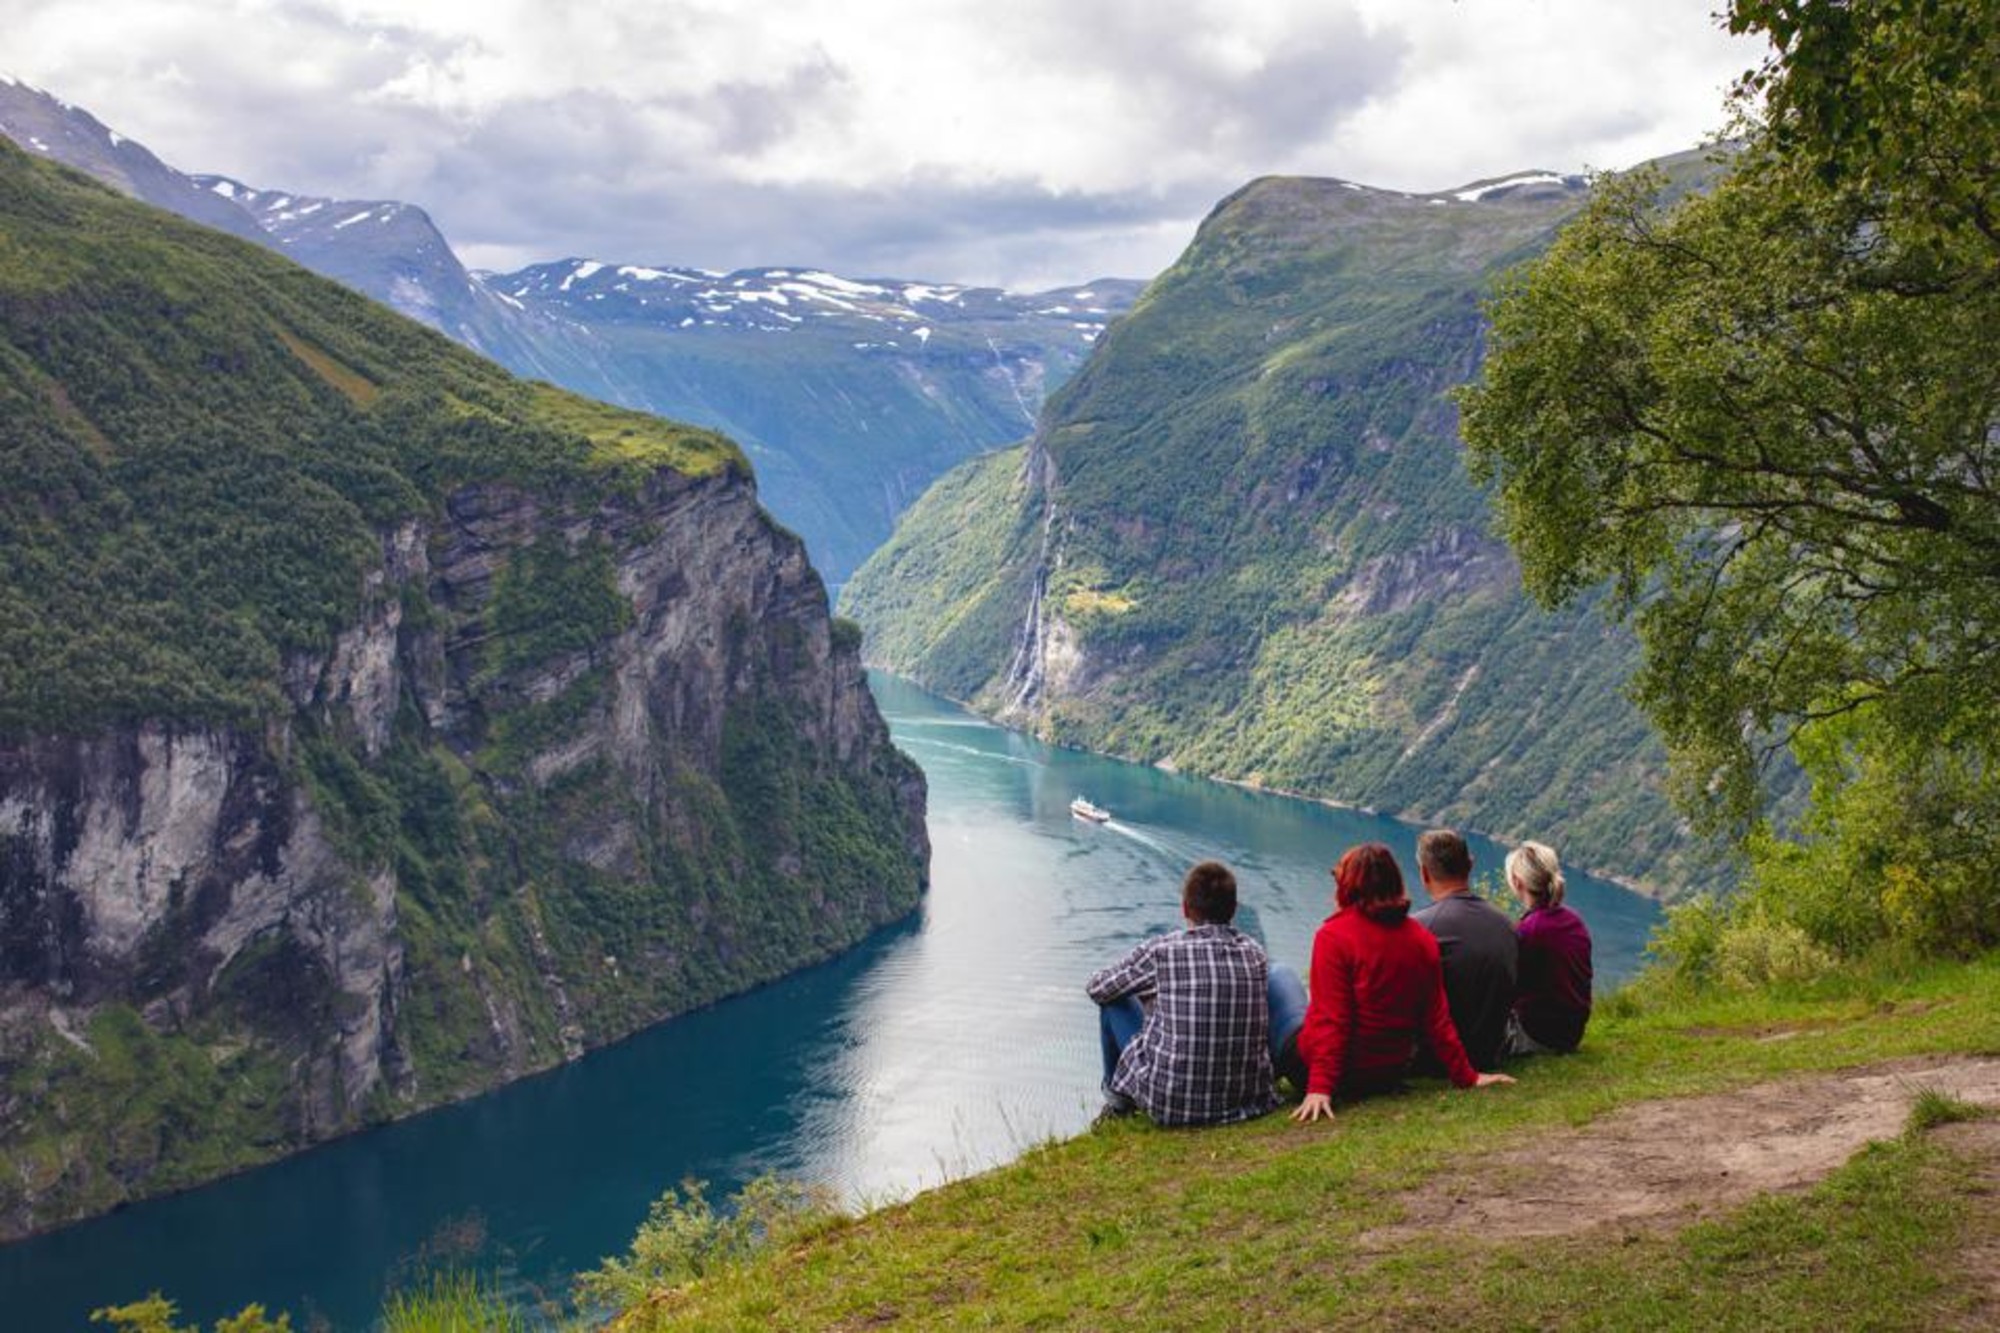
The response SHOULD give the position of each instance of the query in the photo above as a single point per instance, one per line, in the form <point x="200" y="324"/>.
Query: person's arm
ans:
<point x="1442" y="1034"/>
<point x="1329" y="1022"/>
<point x="1134" y="974"/>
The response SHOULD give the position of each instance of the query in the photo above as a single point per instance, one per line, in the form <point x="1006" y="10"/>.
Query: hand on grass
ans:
<point x="1316" y="1105"/>
<point x="1489" y="1080"/>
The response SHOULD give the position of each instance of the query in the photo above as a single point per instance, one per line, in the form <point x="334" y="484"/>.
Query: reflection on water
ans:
<point x="944" y="1045"/>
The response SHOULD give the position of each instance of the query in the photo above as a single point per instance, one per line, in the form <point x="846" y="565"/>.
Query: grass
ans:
<point x="451" y="1303"/>
<point x="1859" y="1251"/>
<point x="357" y="389"/>
<point x="1256" y="1226"/>
<point x="1933" y="1108"/>
<point x="619" y="437"/>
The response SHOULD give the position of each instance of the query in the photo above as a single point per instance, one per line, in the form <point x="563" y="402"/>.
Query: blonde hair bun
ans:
<point x="1533" y="865"/>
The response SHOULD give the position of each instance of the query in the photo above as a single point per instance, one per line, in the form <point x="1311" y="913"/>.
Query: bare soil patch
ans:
<point x="1668" y="1162"/>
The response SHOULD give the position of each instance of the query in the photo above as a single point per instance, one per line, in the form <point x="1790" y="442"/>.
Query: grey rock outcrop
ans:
<point x="216" y="881"/>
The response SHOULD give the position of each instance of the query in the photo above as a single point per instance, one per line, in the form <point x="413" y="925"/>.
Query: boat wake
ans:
<point x="909" y="742"/>
<point x="1182" y="852"/>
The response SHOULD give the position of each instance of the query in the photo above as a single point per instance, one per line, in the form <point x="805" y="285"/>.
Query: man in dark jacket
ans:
<point x="1481" y="955"/>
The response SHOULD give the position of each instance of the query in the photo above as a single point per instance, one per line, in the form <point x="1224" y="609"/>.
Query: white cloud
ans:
<point x="1094" y="132"/>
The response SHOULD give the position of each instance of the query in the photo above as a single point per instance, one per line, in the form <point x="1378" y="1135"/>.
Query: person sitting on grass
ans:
<point x="1184" y="1018"/>
<point x="1377" y="985"/>
<point x="1552" y="996"/>
<point x="1477" y="944"/>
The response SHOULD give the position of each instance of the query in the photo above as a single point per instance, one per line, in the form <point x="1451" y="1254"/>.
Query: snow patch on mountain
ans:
<point x="851" y="288"/>
<point x="1472" y="194"/>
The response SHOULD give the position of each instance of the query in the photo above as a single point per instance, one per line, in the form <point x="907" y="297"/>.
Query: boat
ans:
<point x="1083" y="809"/>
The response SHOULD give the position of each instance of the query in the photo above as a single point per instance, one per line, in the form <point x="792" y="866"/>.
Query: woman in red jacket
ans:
<point x="1377" y="989"/>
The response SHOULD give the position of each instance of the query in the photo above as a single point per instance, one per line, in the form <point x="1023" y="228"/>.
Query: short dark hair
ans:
<point x="1209" y="893"/>
<point x="1442" y="852"/>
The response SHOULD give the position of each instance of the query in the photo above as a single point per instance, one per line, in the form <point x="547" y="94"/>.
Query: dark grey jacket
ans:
<point x="1481" y="958"/>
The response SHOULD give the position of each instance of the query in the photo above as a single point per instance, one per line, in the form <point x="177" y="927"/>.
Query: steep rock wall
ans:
<point x="481" y="833"/>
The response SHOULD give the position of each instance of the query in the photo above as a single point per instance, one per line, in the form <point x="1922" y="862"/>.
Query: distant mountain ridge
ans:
<point x="780" y="300"/>
<point x="850" y="395"/>
<point x="1241" y="541"/>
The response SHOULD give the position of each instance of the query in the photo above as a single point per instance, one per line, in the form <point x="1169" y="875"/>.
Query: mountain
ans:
<point x="374" y="727"/>
<point x="51" y="128"/>
<point x="850" y="395"/>
<point x="1241" y="541"/>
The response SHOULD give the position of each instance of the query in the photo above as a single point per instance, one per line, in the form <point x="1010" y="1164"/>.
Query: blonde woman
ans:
<point x="1552" y="994"/>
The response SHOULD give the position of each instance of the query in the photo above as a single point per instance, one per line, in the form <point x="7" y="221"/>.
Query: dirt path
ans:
<point x="1668" y="1162"/>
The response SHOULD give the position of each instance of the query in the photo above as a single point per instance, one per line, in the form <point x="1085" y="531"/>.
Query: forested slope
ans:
<point x="1242" y="541"/>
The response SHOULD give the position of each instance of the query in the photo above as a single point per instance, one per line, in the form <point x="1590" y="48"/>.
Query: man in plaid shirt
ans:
<point x="1185" y="1021"/>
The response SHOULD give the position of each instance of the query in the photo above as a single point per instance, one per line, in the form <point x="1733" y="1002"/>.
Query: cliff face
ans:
<point x="220" y="885"/>
<point x="137" y="867"/>
<point x="374" y="727"/>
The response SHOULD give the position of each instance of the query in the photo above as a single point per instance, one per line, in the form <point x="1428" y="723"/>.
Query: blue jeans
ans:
<point x="1117" y="1023"/>
<point x="1120" y="1021"/>
<point x="1287" y="997"/>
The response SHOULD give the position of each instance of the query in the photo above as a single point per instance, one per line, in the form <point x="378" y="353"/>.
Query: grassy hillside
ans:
<point x="201" y="441"/>
<point x="1633" y="1185"/>
<point x="1243" y="542"/>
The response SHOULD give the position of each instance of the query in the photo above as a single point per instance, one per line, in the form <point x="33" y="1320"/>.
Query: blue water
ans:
<point x="940" y="1047"/>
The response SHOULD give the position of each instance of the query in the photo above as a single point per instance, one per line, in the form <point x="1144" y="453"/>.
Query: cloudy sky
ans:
<point x="1023" y="142"/>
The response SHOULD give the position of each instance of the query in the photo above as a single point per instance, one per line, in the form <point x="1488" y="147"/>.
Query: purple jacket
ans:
<point x="1552" y="997"/>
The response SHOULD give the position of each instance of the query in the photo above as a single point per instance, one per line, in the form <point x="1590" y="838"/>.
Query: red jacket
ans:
<point x="1377" y="988"/>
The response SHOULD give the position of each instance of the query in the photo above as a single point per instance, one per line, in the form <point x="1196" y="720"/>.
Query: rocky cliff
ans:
<point x="512" y="723"/>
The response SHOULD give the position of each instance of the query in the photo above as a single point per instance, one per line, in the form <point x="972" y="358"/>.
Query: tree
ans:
<point x="1893" y="97"/>
<point x="1769" y="413"/>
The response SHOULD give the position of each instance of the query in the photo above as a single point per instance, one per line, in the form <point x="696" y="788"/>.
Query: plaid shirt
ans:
<point x="1203" y="1056"/>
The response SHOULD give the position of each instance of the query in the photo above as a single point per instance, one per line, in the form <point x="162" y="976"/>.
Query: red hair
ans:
<point x="1368" y="879"/>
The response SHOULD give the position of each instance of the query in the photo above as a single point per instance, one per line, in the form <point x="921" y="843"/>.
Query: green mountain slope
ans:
<point x="1242" y="542"/>
<point x="374" y="727"/>
<point x="202" y="440"/>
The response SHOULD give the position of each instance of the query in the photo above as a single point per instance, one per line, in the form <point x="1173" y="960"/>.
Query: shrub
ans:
<point x="156" y="1314"/>
<point x="1685" y="943"/>
<point x="684" y="1237"/>
<point x="1755" y="950"/>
